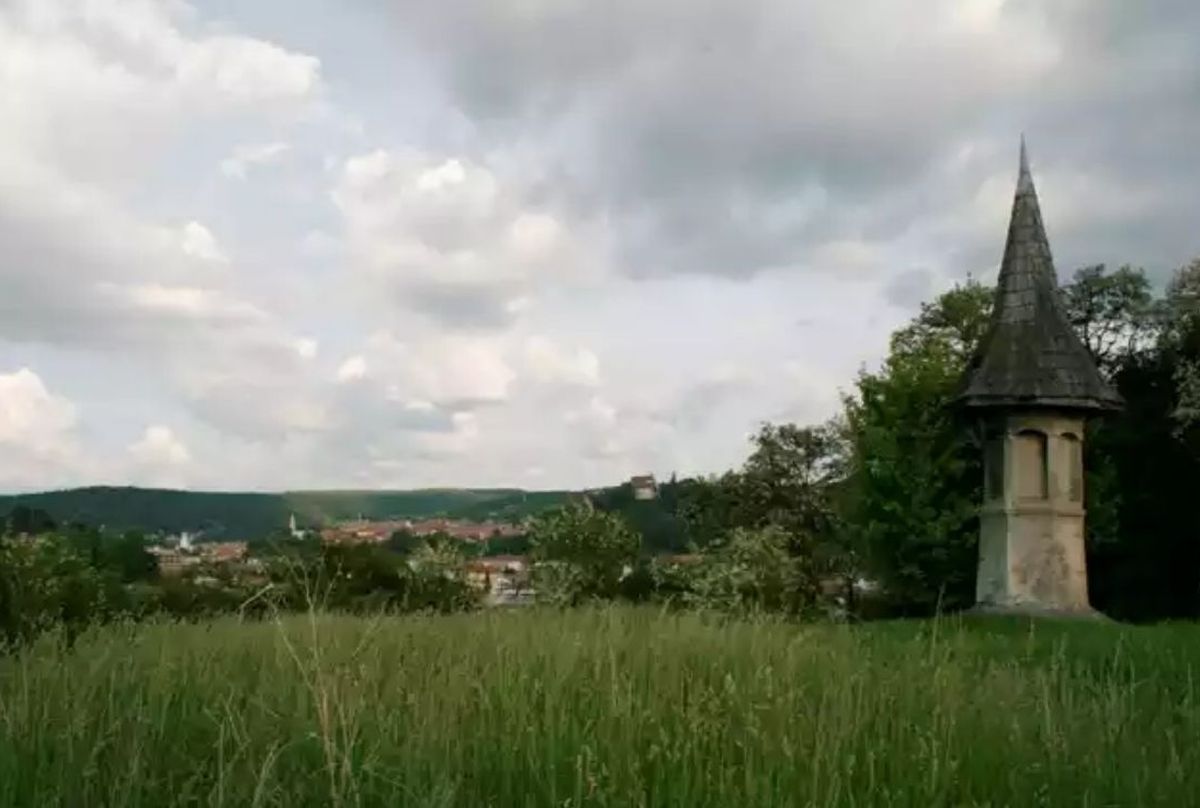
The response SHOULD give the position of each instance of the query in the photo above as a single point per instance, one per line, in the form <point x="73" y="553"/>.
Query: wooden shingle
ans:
<point x="1031" y="356"/>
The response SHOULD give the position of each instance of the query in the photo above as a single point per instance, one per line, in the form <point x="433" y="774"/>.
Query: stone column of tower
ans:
<point x="1030" y="388"/>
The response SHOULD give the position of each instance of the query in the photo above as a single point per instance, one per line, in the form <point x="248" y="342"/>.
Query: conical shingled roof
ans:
<point x="1031" y="356"/>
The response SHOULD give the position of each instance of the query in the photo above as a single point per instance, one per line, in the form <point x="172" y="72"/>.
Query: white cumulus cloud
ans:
<point x="38" y="441"/>
<point x="548" y="362"/>
<point x="449" y="238"/>
<point x="158" y="446"/>
<point x="352" y="369"/>
<point x="252" y="155"/>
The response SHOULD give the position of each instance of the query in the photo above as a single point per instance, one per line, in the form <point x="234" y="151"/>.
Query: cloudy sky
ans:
<point x="398" y="243"/>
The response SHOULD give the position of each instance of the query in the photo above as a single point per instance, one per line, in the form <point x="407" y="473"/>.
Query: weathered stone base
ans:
<point x="1036" y="610"/>
<point x="1031" y="546"/>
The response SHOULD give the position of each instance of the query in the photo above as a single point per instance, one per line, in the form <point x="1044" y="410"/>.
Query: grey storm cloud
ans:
<point x="909" y="288"/>
<point x="464" y="308"/>
<point x="700" y="128"/>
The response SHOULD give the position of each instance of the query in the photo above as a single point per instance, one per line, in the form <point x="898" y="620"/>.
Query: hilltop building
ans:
<point x="1029" y="389"/>
<point x="644" y="487"/>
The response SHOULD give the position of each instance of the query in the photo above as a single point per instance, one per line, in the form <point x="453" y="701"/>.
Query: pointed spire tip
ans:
<point x="1024" y="176"/>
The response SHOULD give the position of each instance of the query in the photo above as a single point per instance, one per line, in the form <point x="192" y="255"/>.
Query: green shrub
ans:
<point x="580" y="554"/>
<point x="367" y="578"/>
<point x="750" y="571"/>
<point x="43" y="583"/>
<point x="436" y="580"/>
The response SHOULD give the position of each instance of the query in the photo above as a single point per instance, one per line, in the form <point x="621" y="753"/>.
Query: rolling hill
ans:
<point x="257" y="515"/>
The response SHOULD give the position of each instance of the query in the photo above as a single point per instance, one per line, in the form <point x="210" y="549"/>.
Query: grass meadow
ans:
<point x="607" y="707"/>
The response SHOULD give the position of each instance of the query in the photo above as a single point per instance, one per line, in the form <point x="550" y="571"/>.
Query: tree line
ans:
<point x="70" y="577"/>
<point x="887" y="493"/>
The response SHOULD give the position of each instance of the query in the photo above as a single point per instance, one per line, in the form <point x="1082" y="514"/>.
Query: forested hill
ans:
<point x="251" y="516"/>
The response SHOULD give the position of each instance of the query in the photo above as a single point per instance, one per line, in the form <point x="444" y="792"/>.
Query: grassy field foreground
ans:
<point x="619" y="707"/>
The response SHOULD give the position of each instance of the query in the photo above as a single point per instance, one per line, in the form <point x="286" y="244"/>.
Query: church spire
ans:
<point x="1031" y="356"/>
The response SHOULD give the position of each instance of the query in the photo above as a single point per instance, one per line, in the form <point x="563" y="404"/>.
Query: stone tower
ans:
<point x="1030" y="388"/>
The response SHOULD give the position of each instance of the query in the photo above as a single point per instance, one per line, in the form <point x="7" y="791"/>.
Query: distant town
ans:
<point x="502" y="577"/>
<point x="362" y="531"/>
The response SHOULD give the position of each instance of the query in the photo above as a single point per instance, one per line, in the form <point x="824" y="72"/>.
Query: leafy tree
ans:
<point x="403" y="542"/>
<point x="949" y="329"/>
<point x="710" y="507"/>
<point x="1181" y="341"/>
<point x="1181" y="308"/>
<point x="128" y="556"/>
<point x="187" y="599"/>
<point x="506" y="545"/>
<point x="752" y="570"/>
<point x="654" y="520"/>
<point x="915" y="475"/>
<point x="361" y="575"/>
<point x="792" y="483"/>
<point x="1114" y="313"/>
<point x="789" y="478"/>
<point x="24" y="520"/>
<point x="1118" y="319"/>
<point x="44" y="583"/>
<point x="367" y="577"/>
<point x="1148" y="565"/>
<point x="437" y="579"/>
<point x="580" y="553"/>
